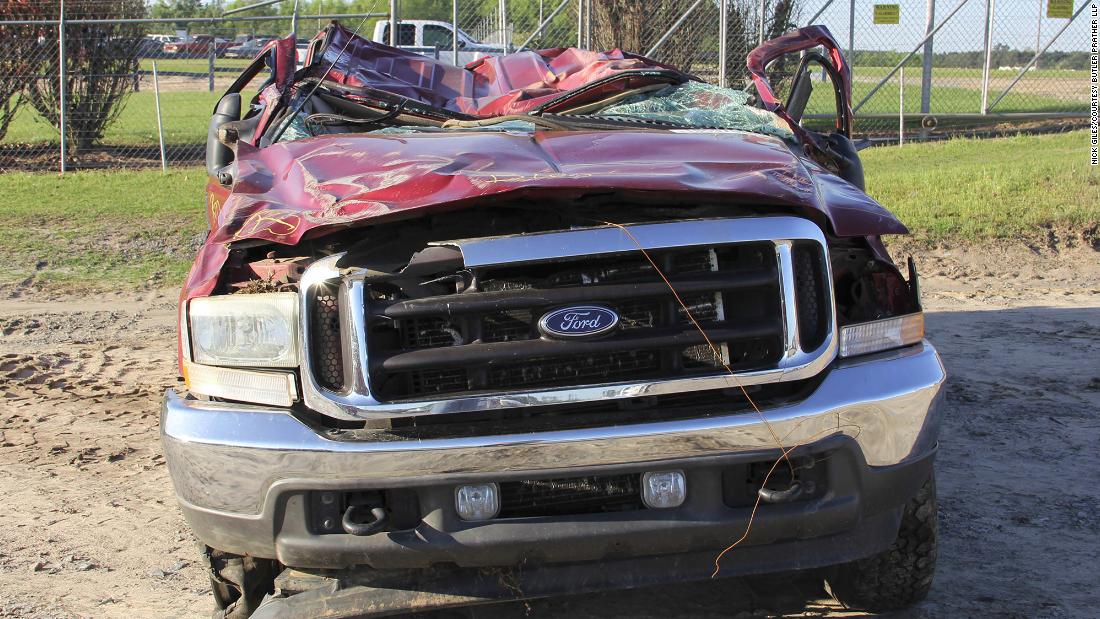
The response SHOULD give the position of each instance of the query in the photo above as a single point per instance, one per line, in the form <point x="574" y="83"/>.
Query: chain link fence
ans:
<point x="87" y="77"/>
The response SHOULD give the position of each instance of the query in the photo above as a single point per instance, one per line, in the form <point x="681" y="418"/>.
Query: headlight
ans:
<point x="247" y="330"/>
<point x="868" y="337"/>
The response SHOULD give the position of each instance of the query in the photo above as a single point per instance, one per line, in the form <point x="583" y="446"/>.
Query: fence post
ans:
<point x="851" y="32"/>
<point x="1038" y="33"/>
<point x="294" y="20"/>
<point x="588" y="24"/>
<point x="580" y="24"/>
<point x="160" y="125"/>
<point x="454" y="32"/>
<point x="760" y="27"/>
<point x="63" y="84"/>
<point x="723" y="35"/>
<point x="505" y="40"/>
<point x="901" y="106"/>
<point x="393" y="23"/>
<point x="990" y="8"/>
<point x="926" y="69"/>
<point x="210" y="66"/>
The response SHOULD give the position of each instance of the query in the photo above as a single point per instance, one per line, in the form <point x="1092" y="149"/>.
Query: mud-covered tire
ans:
<point x="900" y="576"/>
<point x="238" y="583"/>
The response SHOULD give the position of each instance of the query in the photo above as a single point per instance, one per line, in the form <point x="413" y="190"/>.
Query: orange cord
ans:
<point x="718" y="356"/>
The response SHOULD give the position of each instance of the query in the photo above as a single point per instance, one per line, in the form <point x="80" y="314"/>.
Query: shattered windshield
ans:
<point x="690" y="105"/>
<point x="702" y="106"/>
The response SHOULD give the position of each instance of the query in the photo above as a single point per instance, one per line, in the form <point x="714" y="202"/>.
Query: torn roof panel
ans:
<point x="494" y="86"/>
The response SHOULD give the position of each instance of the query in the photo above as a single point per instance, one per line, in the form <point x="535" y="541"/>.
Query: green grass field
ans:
<point x="100" y="229"/>
<point x="137" y="228"/>
<point x="185" y="116"/>
<point x="975" y="190"/>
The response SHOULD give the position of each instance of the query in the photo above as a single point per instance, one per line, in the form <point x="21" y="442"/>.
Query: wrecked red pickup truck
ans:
<point x="554" y="322"/>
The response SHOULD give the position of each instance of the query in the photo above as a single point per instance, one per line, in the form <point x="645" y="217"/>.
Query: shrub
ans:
<point x="100" y="63"/>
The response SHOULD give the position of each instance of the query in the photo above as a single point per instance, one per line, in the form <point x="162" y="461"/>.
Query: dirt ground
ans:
<point x="89" y="526"/>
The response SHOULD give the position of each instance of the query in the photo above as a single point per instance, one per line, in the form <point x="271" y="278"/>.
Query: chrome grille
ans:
<point x="753" y="311"/>
<point x="465" y="334"/>
<point x="328" y="358"/>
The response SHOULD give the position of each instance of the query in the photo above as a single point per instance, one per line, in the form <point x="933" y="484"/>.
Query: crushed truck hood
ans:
<point x="310" y="187"/>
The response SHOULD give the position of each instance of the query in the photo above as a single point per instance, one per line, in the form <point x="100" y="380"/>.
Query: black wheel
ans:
<point x="900" y="576"/>
<point x="238" y="583"/>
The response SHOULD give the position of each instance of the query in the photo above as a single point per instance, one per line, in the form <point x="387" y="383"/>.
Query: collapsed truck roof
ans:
<point x="289" y="184"/>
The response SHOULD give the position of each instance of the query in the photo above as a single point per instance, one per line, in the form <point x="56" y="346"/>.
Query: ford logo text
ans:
<point x="577" y="322"/>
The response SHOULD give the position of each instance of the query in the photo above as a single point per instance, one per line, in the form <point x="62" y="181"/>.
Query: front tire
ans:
<point x="900" y="576"/>
<point x="238" y="583"/>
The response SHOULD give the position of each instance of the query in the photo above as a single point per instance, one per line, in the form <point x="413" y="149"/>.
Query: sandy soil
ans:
<point x="89" y="526"/>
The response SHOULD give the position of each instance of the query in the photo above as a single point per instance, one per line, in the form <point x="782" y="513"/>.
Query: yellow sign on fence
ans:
<point x="1060" y="9"/>
<point x="891" y="13"/>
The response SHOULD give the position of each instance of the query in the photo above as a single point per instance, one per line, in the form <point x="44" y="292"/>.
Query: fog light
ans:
<point x="664" y="490"/>
<point x="477" y="501"/>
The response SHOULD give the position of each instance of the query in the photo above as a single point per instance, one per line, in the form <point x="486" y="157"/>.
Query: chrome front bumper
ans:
<point x="233" y="465"/>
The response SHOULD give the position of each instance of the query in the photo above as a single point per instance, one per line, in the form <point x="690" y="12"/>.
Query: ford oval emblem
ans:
<point x="578" y="322"/>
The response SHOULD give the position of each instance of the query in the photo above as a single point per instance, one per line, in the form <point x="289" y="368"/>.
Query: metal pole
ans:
<point x="393" y="23"/>
<point x="990" y="8"/>
<point x="1039" y="31"/>
<point x="672" y="29"/>
<point x="723" y="36"/>
<point x="160" y="125"/>
<point x="454" y="32"/>
<point x="588" y="24"/>
<point x="901" y="106"/>
<point x="580" y="24"/>
<point x="504" y="38"/>
<point x="543" y="24"/>
<point x="926" y="70"/>
<point x="851" y="32"/>
<point x="1035" y="59"/>
<point x="210" y="66"/>
<point x="63" y="81"/>
<point x="760" y="25"/>
<point x="294" y="20"/>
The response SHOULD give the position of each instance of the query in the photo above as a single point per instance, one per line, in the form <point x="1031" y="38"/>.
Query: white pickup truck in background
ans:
<point x="435" y="39"/>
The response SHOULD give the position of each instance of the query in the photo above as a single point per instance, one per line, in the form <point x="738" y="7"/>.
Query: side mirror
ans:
<point x="218" y="155"/>
<point x="800" y="94"/>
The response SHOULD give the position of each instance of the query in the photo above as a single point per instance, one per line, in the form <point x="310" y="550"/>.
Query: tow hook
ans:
<point x="790" y="493"/>
<point x="353" y="514"/>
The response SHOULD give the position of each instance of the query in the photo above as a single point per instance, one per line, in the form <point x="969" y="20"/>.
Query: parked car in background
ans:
<point x="198" y="46"/>
<point x="552" y="322"/>
<point x="435" y="38"/>
<point x="152" y="45"/>
<point x="248" y="49"/>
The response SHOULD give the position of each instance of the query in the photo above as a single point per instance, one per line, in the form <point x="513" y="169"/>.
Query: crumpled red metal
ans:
<point x="493" y="86"/>
<point x="307" y="188"/>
